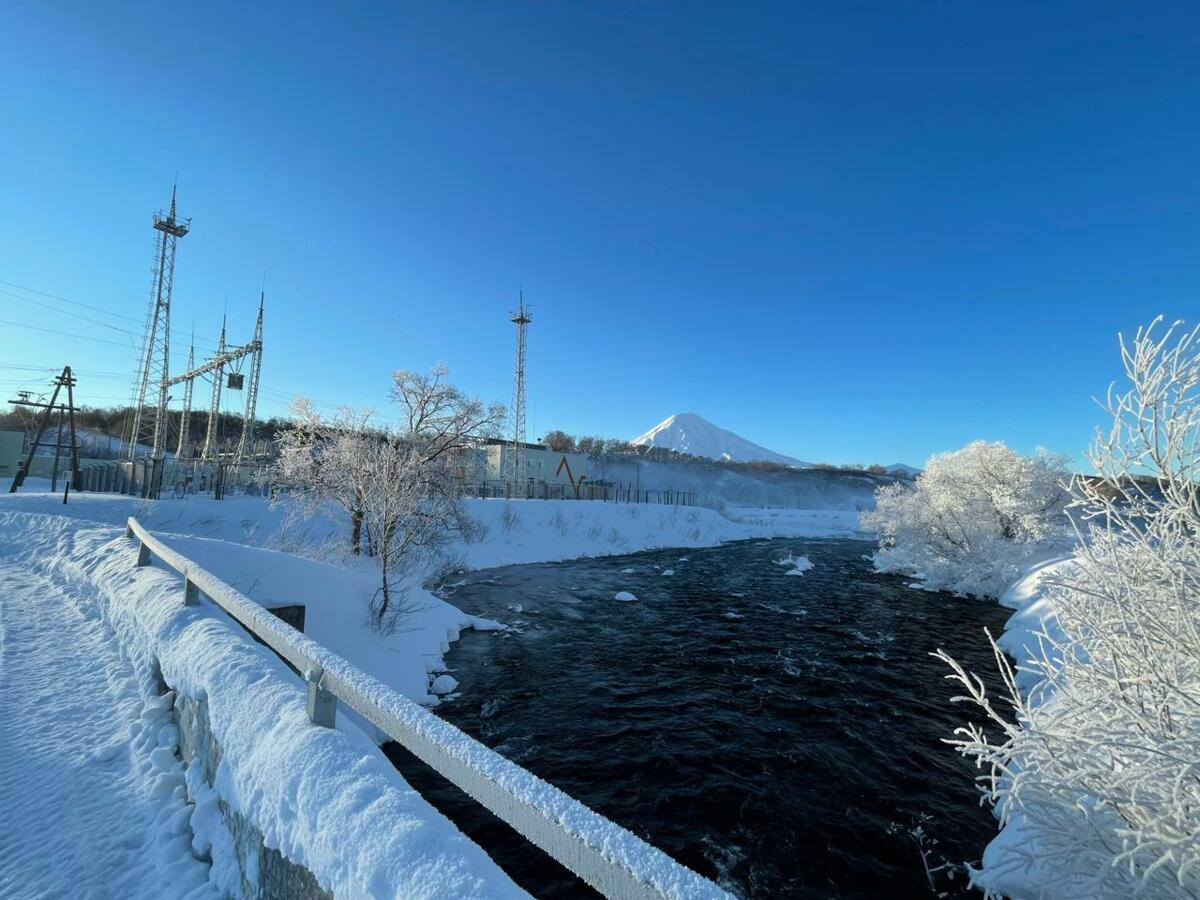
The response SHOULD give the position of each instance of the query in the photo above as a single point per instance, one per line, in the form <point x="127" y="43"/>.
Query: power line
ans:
<point x="100" y="309"/>
<point x="67" y="312"/>
<point x="82" y="337"/>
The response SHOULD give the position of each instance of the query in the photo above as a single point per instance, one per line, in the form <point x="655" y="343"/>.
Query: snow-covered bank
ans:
<point x="1011" y="867"/>
<point x="537" y="531"/>
<point x="328" y="800"/>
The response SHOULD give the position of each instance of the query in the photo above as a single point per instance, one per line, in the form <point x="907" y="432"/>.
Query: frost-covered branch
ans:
<point x="1101" y="761"/>
<point x="972" y="518"/>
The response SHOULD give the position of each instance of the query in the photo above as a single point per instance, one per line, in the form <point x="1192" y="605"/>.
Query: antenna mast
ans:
<point x="515" y="468"/>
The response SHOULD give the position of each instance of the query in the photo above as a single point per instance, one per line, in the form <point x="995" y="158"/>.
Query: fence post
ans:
<point x="143" y="554"/>
<point x="191" y="593"/>
<point x="322" y="704"/>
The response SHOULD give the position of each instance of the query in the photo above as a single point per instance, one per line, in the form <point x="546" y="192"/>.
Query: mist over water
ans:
<point x="778" y="733"/>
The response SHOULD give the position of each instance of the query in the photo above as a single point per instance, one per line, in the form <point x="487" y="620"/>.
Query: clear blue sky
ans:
<point x="850" y="232"/>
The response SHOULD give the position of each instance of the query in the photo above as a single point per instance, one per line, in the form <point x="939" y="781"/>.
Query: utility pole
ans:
<point x="65" y="380"/>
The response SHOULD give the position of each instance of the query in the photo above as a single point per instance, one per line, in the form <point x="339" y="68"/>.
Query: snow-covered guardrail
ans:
<point x="612" y="860"/>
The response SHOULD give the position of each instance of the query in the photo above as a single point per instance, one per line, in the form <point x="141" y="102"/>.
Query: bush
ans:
<point x="972" y="518"/>
<point x="1101" y="761"/>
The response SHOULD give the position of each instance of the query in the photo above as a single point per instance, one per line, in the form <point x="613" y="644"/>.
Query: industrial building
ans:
<point x="542" y="465"/>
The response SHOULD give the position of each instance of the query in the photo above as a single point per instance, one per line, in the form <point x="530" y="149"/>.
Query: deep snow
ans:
<point x="92" y="799"/>
<point x="326" y="799"/>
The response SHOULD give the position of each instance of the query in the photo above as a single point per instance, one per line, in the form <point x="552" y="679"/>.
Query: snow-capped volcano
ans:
<point x="688" y="433"/>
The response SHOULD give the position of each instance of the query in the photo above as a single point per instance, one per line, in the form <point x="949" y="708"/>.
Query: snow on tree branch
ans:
<point x="972" y="519"/>
<point x="1100" y="763"/>
<point x="396" y="484"/>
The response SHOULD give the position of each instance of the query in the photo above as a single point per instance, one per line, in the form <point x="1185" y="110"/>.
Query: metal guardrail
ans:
<point x="611" y="859"/>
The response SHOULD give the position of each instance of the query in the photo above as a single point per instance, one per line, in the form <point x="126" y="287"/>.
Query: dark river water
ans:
<point x="778" y="733"/>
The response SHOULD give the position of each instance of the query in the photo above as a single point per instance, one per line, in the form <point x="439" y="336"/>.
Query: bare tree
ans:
<point x="398" y="483"/>
<point x="323" y="459"/>
<point x="559" y="441"/>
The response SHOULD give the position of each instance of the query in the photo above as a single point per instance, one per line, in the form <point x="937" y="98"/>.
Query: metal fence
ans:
<point x="599" y="490"/>
<point x="612" y="860"/>
<point x="155" y="479"/>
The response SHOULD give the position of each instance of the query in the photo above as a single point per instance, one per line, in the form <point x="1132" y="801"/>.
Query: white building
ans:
<point x="542" y="465"/>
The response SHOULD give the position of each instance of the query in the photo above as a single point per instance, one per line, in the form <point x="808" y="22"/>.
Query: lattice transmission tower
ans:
<point x="246" y="442"/>
<point x="515" y="465"/>
<point x="152" y="383"/>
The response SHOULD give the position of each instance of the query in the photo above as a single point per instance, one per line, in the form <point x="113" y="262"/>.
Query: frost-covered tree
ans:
<point x="971" y="519"/>
<point x="397" y="483"/>
<point x="322" y="459"/>
<point x="1101" y="761"/>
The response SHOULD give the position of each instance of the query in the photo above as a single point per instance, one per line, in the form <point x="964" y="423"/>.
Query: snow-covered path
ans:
<point x="91" y="794"/>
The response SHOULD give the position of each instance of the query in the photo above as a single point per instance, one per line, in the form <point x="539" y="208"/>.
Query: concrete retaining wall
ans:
<point x="265" y="873"/>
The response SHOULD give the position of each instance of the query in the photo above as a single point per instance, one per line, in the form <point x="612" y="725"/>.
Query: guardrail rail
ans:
<point x="606" y="856"/>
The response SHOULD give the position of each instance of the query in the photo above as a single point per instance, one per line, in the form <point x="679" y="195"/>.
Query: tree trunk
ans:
<point x="356" y="523"/>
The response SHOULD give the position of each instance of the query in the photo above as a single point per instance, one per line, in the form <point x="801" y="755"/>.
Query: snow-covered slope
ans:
<point x="902" y="469"/>
<point x="689" y="433"/>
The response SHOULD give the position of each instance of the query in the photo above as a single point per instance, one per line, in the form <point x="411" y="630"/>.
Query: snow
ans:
<point x="624" y="596"/>
<point x="444" y="684"/>
<point x="90" y="787"/>
<point x="689" y="433"/>
<point x="326" y="799"/>
<point x="1008" y="868"/>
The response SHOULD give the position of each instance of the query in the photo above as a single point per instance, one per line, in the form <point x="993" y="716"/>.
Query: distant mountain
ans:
<point x="688" y="433"/>
<point x="902" y="469"/>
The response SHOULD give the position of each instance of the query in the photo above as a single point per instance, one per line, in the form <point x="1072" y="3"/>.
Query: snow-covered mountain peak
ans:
<point x="689" y="433"/>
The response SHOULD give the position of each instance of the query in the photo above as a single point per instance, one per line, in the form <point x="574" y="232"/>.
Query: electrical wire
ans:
<point x="108" y="312"/>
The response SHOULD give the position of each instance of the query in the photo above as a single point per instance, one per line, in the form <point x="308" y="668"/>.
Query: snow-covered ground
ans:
<point x="92" y="803"/>
<point x="90" y="750"/>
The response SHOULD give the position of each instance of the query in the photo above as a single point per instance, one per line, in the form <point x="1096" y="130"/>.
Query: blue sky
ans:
<point x="849" y="232"/>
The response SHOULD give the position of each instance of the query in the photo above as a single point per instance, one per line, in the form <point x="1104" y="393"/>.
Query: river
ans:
<point x="778" y="733"/>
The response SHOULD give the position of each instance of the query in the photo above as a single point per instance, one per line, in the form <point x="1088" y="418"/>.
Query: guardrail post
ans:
<point x="143" y="554"/>
<point x="322" y="704"/>
<point x="191" y="593"/>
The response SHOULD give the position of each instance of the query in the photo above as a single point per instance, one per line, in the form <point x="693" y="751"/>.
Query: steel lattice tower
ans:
<point x="515" y="465"/>
<point x="209" y="452"/>
<point x="150" y="421"/>
<point x="247" y="439"/>
<point x="185" y="419"/>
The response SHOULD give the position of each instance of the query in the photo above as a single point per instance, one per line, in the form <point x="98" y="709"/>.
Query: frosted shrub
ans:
<point x="1101" y="762"/>
<point x="972" y="519"/>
